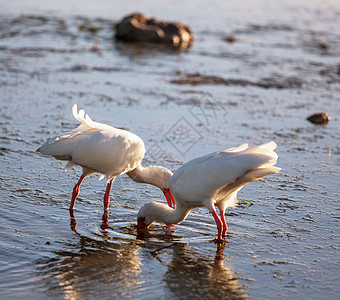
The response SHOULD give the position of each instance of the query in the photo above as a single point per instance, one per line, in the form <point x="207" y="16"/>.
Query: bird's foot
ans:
<point x="220" y="241"/>
<point x="105" y="215"/>
<point x="169" y="225"/>
<point x="105" y="219"/>
<point x="71" y="211"/>
<point x="73" y="221"/>
<point x="73" y="225"/>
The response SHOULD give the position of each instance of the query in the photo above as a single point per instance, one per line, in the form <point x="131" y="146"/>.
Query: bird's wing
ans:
<point x="111" y="153"/>
<point x="184" y="169"/>
<point x="236" y="149"/>
<point x="227" y="195"/>
<point x="203" y="177"/>
<point x="96" y="146"/>
<point x="108" y="152"/>
<point x="206" y="162"/>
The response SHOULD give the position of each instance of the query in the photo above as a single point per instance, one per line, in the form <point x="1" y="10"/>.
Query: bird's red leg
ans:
<point x="75" y="192"/>
<point x="107" y="195"/>
<point x="224" y="223"/>
<point x="218" y="224"/>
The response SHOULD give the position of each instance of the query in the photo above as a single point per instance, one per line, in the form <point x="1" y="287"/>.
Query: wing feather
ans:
<point x="208" y="174"/>
<point x="96" y="146"/>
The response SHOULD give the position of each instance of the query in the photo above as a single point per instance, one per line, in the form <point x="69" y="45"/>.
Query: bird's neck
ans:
<point x="141" y="175"/>
<point x="146" y="175"/>
<point x="167" y="215"/>
<point x="177" y="215"/>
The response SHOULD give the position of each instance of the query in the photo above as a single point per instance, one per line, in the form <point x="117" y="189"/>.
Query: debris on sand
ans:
<point x="322" y="44"/>
<point x="278" y="82"/>
<point x="138" y="28"/>
<point x="88" y="27"/>
<point x="319" y="118"/>
<point x="229" y="39"/>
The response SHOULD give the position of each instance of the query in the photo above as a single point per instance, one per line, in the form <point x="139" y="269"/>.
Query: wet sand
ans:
<point x="281" y="67"/>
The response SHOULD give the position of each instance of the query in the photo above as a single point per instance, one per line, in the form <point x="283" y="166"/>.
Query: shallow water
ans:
<point x="283" y="238"/>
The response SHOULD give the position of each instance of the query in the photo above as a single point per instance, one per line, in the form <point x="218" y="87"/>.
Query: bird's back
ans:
<point x="97" y="146"/>
<point x="203" y="177"/>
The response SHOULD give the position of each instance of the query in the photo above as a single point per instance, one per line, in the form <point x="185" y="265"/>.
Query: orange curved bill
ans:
<point x="169" y="198"/>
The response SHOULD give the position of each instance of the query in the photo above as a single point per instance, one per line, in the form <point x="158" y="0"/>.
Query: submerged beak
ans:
<point x="141" y="223"/>
<point x="169" y="198"/>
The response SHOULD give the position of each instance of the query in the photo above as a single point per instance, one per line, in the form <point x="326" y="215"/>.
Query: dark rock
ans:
<point x="138" y="28"/>
<point x="323" y="45"/>
<point x="229" y="39"/>
<point x="319" y="118"/>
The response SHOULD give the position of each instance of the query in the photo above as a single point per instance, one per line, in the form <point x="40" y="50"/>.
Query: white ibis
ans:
<point x="209" y="181"/>
<point x="97" y="147"/>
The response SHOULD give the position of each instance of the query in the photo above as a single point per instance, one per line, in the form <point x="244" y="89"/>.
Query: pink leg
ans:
<point x="107" y="195"/>
<point x="218" y="224"/>
<point x="224" y="223"/>
<point x="76" y="191"/>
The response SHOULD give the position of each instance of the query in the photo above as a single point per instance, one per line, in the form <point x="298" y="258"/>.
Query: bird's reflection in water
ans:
<point x="134" y="50"/>
<point x="160" y="233"/>
<point x="73" y="221"/>
<point x="104" y="226"/>
<point x="90" y="268"/>
<point x="113" y="267"/>
<point x="191" y="275"/>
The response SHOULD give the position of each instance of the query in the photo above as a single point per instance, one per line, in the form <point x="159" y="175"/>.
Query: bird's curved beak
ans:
<point x="169" y="198"/>
<point x="141" y="223"/>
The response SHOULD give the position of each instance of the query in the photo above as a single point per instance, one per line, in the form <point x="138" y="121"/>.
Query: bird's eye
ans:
<point x="142" y="219"/>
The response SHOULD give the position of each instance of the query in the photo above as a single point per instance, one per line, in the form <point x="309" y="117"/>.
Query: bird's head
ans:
<point x="150" y="213"/>
<point x="141" y="223"/>
<point x="145" y="216"/>
<point x="161" y="176"/>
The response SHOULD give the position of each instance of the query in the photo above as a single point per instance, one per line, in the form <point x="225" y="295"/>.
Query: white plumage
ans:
<point x="101" y="148"/>
<point x="212" y="180"/>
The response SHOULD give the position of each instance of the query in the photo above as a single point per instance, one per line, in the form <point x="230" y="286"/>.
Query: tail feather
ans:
<point x="86" y="121"/>
<point x="78" y="115"/>
<point x="58" y="146"/>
